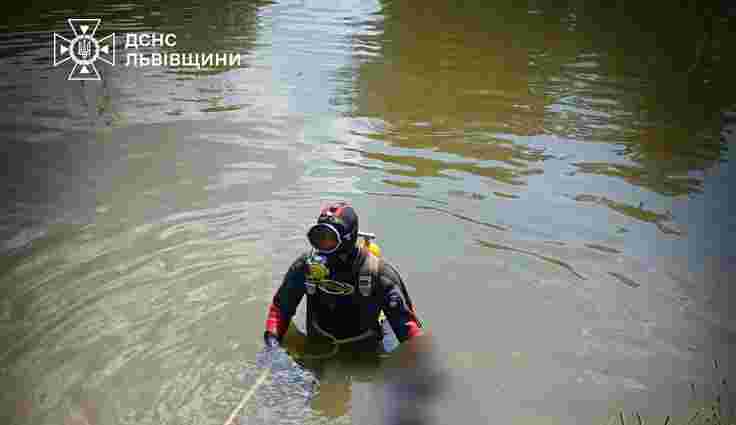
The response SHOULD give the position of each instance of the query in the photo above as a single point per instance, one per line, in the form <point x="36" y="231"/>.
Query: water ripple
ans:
<point x="548" y="259"/>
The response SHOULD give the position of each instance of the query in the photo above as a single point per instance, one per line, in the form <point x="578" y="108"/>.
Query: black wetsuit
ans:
<point x="345" y="316"/>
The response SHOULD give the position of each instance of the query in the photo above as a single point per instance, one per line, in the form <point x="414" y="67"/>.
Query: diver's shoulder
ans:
<point x="300" y="262"/>
<point x="302" y="256"/>
<point x="388" y="272"/>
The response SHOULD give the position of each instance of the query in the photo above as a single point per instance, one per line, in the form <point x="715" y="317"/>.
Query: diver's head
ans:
<point x="336" y="232"/>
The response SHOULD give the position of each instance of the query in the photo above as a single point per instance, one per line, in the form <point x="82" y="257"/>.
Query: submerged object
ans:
<point x="412" y="381"/>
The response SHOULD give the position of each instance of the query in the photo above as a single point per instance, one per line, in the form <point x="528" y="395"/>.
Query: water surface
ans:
<point x="552" y="181"/>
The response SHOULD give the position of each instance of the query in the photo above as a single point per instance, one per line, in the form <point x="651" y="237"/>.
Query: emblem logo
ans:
<point x="84" y="49"/>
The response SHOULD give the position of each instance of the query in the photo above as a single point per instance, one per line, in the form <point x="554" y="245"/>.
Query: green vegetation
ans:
<point x="715" y="412"/>
<point x="711" y="414"/>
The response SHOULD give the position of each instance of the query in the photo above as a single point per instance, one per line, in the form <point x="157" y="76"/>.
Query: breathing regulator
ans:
<point x="317" y="270"/>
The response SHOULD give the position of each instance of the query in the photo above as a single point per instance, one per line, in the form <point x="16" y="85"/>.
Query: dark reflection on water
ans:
<point x="197" y="23"/>
<point x="41" y="106"/>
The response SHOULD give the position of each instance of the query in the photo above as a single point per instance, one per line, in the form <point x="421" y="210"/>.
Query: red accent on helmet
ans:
<point x="344" y="219"/>
<point x="333" y="209"/>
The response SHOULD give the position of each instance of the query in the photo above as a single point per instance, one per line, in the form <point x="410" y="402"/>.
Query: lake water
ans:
<point x="552" y="181"/>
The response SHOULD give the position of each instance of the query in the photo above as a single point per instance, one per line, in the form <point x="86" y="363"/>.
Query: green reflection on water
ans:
<point x="451" y="75"/>
<point x="640" y="176"/>
<point x="426" y="167"/>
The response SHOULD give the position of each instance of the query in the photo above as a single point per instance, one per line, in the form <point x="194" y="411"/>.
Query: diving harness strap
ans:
<point x="365" y="285"/>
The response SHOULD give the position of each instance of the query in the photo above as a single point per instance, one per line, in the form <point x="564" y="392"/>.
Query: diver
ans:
<point x="355" y="300"/>
<point x="349" y="287"/>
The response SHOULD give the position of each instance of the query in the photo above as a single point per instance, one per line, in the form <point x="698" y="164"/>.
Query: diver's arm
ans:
<point x="403" y="320"/>
<point x="285" y="301"/>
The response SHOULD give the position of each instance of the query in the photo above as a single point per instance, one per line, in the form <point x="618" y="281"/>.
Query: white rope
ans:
<point x="335" y="348"/>
<point x="264" y="375"/>
<point x="247" y="396"/>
